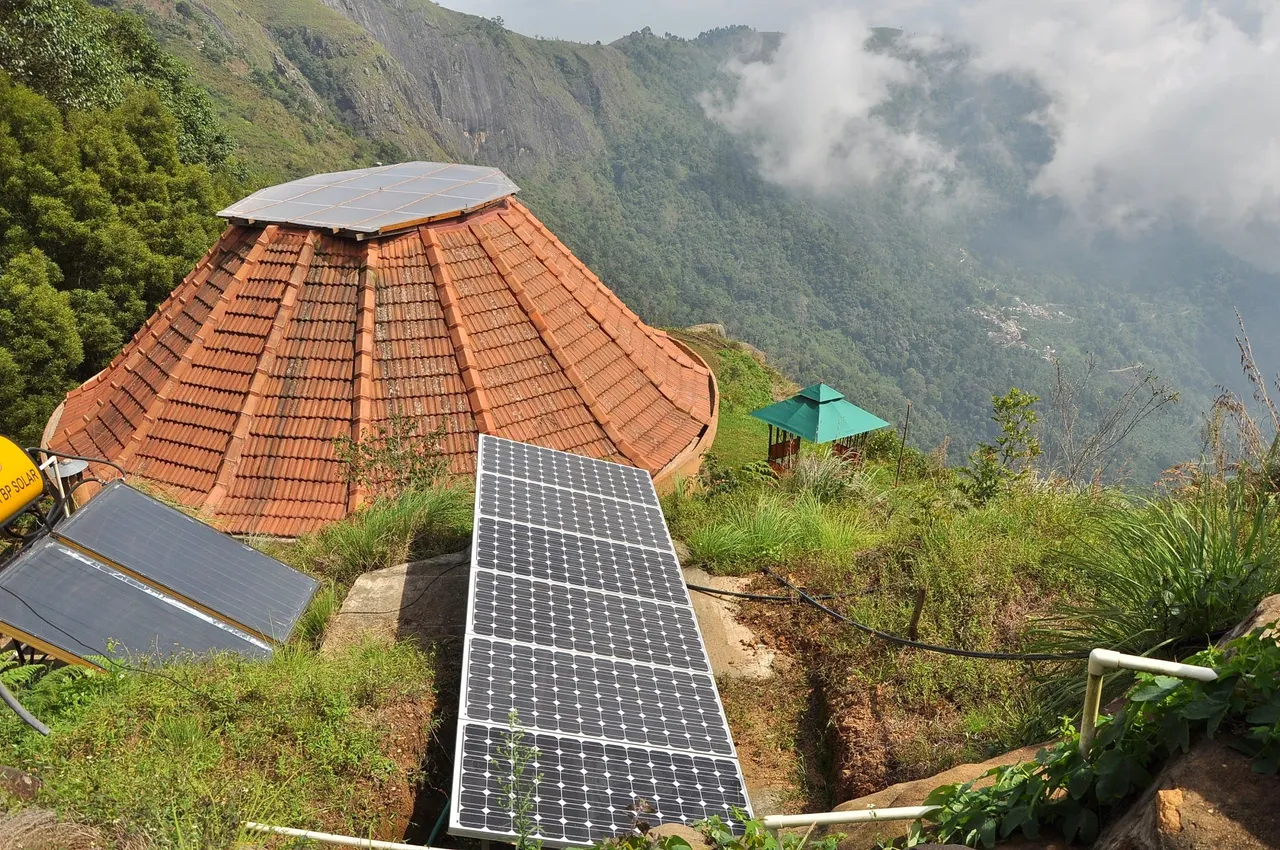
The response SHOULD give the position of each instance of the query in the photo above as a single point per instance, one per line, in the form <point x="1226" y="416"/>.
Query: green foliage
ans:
<point x="311" y="625"/>
<point x="39" y="342"/>
<point x="180" y="757"/>
<point x="1164" y="578"/>
<point x="1072" y="794"/>
<point x="766" y="527"/>
<point x="85" y="58"/>
<point x="992" y="467"/>
<point x="98" y="206"/>
<point x="395" y="458"/>
<point x="388" y="531"/>
<point x="516" y="766"/>
<point x="828" y="478"/>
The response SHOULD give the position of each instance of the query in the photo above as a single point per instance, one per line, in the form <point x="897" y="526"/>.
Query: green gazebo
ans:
<point x="818" y="414"/>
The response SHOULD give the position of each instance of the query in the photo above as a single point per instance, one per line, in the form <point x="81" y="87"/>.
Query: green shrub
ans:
<point x="1067" y="792"/>
<point x="1166" y="577"/>
<point x="827" y="478"/>
<point x="767" y="527"/>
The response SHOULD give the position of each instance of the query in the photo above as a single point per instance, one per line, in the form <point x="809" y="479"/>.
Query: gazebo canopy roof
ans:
<point x="820" y="414"/>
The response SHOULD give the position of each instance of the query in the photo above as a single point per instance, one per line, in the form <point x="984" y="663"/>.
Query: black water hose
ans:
<point x="27" y="717"/>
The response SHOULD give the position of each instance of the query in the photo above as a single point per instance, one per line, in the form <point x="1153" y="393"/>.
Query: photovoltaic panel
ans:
<point x="514" y="608"/>
<point x="573" y="472"/>
<point x="597" y="785"/>
<point x="581" y="625"/>
<point x="186" y="558"/>
<point x="570" y="511"/>
<point x="62" y="600"/>
<point x="597" y="697"/>
<point x="372" y="200"/>
<point x="583" y="561"/>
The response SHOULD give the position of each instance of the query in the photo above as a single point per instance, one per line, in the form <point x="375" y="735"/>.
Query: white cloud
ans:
<point x="1163" y="111"/>
<point x="810" y="110"/>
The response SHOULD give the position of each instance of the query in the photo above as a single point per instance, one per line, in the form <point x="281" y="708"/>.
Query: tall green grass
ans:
<point x="763" y="528"/>
<point x="386" y="532"/>
<point x="1167" y="577"/>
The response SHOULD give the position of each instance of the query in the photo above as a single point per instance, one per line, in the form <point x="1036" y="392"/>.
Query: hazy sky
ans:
<point x="606" y="20"/>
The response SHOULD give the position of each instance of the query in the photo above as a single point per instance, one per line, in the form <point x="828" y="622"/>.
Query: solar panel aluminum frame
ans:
<point x="455" y="826"/>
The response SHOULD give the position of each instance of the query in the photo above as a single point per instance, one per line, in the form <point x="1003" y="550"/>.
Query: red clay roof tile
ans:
<point x="283" y="339"/>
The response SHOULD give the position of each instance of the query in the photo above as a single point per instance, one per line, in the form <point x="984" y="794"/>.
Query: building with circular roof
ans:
<point x="333" y="303"/>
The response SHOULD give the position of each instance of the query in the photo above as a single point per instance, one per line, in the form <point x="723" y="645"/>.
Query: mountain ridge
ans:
<point x="615" y="151"/>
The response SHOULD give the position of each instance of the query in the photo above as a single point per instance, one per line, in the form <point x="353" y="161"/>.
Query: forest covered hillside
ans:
<point x="617" y="149"/>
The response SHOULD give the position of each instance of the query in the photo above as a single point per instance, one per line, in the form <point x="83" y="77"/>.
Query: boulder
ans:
<point x="426" y="600"/>
<point x="1208" y="799"/>
<point x="711" y="328"/>
<point x="863" y="836"/>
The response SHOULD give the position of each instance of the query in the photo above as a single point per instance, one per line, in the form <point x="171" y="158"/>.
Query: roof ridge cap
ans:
<point x="231" y="456"/>
<point x="549" y="338"/>
<point x="362" y="397"/>
<point x="458" y="335"/>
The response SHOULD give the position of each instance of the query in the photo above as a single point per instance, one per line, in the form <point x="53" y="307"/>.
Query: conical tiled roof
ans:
<point x="286" y="336"/>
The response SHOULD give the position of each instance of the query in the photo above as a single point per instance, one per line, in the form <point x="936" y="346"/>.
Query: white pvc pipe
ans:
<point x="1103" y="660"/>
<point x="854" y="816"/>
<point x="330" y="838"/>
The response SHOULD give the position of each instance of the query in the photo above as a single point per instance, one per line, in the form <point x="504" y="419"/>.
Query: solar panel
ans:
<point x="185" y="558"/>
<point x="580" y="623"/>
<point x="72" y="605"/>
<point x="372" y="200"/>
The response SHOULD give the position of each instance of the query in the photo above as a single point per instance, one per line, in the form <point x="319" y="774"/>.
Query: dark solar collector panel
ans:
<point x="184" y="557"/>
<point x="590" y="788"/>
<point x="514" y="608"/>
<point x="60" y="599"/>
<point x="581" y="625"/>
<point x="577" y="513"/>
<point x="595" y="697"/>
<point x="594" y="564"/>
<point x="574" y="472"/>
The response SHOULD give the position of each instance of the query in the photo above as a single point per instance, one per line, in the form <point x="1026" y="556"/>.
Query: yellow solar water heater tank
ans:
<point x="20" y="481"/>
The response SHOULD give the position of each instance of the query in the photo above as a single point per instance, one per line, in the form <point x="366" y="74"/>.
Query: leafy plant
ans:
<point x="1065" y="791"/>
<point x="1166" y="578"/>
<point x="992" y="466"/>
<point x="395" y="458"/>
<point x="388" y="531"/>
<point x="516" y="766"/>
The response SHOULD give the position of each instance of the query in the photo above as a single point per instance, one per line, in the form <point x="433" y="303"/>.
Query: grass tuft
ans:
<point x="180" y="757"/>
<point x="386" y="532"/>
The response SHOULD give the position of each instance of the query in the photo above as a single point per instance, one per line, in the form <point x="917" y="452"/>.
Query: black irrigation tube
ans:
<point x="915" y="644"/>
<point x="759" y="597"/>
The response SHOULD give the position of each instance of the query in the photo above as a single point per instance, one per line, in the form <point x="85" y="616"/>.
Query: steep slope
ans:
<point x="615" y="153"/>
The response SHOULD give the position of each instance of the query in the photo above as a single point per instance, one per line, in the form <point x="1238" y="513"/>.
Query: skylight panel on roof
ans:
<point x="374" y="200"/>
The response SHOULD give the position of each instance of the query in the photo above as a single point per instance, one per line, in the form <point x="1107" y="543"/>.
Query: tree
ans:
<point x="39" y="344"/>
<point x="99" y="220"/>
<point x="1088" y="427"/>
<point x="992" y="467"/>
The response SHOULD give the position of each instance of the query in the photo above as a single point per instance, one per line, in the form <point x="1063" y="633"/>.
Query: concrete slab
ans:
<point x="426" y="600"/>
<point x="735" y="650"/>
